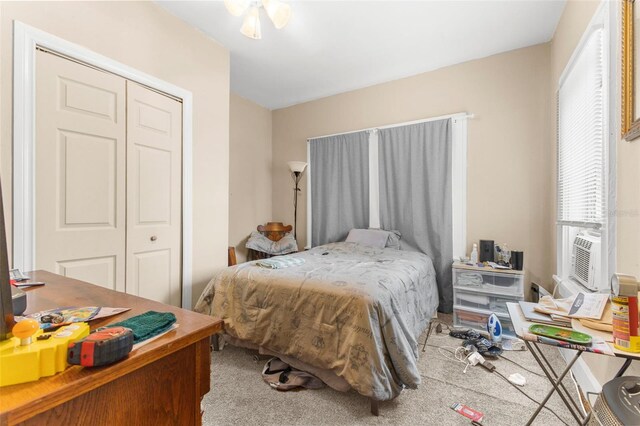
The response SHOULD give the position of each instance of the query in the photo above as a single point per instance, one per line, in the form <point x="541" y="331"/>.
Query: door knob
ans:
<point x="153" y="238"/>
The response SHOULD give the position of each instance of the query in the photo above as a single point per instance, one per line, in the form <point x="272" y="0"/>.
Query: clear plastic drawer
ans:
<point x="488" y="282"/>
<point x="484" y="301"/>
<point x="477" y="320"/>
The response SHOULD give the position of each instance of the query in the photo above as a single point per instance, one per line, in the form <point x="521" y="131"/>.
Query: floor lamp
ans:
<point x="297" y="169"/>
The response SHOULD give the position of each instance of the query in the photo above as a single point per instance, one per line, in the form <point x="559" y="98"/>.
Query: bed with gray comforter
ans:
<point x="351" y="310"/>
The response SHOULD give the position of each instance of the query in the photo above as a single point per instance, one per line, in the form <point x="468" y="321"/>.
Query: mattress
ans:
<point x="354" y="310"/>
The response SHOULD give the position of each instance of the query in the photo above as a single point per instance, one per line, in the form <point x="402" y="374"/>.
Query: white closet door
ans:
<point x="154" y="196"/>
<point x="80" y="171"/>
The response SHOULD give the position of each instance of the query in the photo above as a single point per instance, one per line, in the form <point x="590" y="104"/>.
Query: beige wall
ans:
<point x="145" y="37"/>
<point x="250" y="153"/>
<point x="628" y="209"/>
<point x="508" y="165"/>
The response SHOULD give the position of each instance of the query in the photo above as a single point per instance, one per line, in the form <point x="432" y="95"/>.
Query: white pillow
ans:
<point x="368" y="237"/>
<point x="394" y="238"/>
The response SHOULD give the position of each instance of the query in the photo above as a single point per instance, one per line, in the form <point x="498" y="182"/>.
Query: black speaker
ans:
<point x="517" y="260"/>
<point x="486" y="251"/>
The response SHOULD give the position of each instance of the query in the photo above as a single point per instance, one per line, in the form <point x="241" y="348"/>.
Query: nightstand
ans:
<point x="479" y="292"/>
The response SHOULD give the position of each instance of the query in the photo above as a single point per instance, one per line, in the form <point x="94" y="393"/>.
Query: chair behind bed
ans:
<point x="273" y="231"/>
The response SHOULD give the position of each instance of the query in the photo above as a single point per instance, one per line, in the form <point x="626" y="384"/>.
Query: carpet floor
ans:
<point x="239" y="395"/>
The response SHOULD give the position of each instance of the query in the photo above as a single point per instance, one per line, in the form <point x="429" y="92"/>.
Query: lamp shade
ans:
<point x="236" y="7"/>
<point x="297" y="166"/>
<point x="278" y="12"/>
<point x="251" y="25"/>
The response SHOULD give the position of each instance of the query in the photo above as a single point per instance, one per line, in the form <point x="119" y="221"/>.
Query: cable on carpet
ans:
<point x="495" y="371"/>
<point x="512" y="362"/>
<point x="575" y="382"/>
<point x="458" y="353"/>
<point x="524" y="368"/>
<point x="589" y="395"/>
<point x="525" y="394"/>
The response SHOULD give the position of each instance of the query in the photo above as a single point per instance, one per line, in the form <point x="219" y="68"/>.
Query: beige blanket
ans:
<point x="351" y="309"/>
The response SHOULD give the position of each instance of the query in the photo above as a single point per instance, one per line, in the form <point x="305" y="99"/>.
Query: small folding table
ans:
<point x="520" y="323"/>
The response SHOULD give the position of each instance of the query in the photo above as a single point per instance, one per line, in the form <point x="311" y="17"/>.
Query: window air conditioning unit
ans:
<point x="585" y="260"/>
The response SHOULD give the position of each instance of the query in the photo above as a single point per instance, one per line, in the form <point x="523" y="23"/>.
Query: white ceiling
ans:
<point x="331" y="47"/>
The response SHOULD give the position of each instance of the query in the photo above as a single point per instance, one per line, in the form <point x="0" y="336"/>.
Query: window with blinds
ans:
<point x="586" y="160"/>
<point x="581" y="138"/>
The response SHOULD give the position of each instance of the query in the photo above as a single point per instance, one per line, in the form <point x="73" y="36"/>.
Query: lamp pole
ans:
<point x="296" y="179"/>
<point x="297" y="169"/>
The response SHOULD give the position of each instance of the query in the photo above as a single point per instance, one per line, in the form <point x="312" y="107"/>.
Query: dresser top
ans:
<point x="460" y="265"/>
<point x="21" y="401"/>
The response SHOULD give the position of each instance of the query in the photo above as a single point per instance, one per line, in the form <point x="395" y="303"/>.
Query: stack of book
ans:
<point x="559" y="313"/>
<point x="530" y="313"/>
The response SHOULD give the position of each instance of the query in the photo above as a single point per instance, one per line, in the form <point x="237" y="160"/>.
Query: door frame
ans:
<point x="25" y="41"/>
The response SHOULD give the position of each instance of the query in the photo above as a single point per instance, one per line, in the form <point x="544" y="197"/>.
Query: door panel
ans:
<point x="153" y="274"/>
<point x="154" y="119"/>
<point x="88" y="181"/>
<point x="80" y="171"/>
<point x="154" y="196"/>
<point x="102" y="269"/>
<point x="154" y="186"/>
<point x="88" y="99"/>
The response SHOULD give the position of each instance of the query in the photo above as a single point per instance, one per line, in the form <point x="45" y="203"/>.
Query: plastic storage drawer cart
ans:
<point x="479" y="292"/>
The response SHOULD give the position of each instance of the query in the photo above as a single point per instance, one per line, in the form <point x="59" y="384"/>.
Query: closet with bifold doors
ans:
<point x="108" y="179"/>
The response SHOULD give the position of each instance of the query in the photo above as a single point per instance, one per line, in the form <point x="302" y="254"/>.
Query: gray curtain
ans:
<point x="339" y="186"/>
<point x="415" y="194"/>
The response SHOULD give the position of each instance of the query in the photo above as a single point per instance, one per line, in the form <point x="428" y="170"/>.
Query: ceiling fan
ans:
<point x="278" y="12"/>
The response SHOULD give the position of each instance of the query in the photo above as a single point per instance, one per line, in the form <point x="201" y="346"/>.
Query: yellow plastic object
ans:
<point x="41" y="358"/>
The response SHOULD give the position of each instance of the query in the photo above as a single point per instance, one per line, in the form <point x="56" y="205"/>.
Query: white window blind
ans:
<point x="581" y="156"/>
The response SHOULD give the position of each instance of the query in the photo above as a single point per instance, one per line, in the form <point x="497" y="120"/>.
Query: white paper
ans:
<point x="588" y="305"/>
<point x="582" y="305"/>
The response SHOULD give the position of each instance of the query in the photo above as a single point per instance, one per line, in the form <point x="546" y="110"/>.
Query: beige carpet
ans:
<point x="239" y="396"/>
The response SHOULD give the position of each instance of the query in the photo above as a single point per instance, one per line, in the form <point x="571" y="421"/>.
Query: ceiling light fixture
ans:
<point x="278" y="12"/>
<point x="251" y="24"/>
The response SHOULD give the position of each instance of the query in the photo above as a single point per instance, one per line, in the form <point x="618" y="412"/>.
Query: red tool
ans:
<point x="475" y="416"/>
<point x="102" y="347"/>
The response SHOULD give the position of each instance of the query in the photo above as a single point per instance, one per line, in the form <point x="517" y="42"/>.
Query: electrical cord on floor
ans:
<point x="589" y="395"/>
<point x="525" y="394"/>
<point x="501" y="376"/>
<point x="579" y="393"/>
<point x="458" y="355"/>
<point x="524" y="368"/>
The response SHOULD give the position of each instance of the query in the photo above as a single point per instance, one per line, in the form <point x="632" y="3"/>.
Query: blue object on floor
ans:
<point x="494" y="328"/>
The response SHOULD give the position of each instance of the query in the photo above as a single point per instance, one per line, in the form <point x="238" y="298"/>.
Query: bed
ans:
<point x="350" y="314"/>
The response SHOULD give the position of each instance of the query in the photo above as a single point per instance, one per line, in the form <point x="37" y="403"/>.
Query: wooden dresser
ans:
<point x="161" y="383"/>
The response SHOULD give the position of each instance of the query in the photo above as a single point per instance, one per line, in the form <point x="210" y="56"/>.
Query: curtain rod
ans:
<point x="407" y="123"/>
